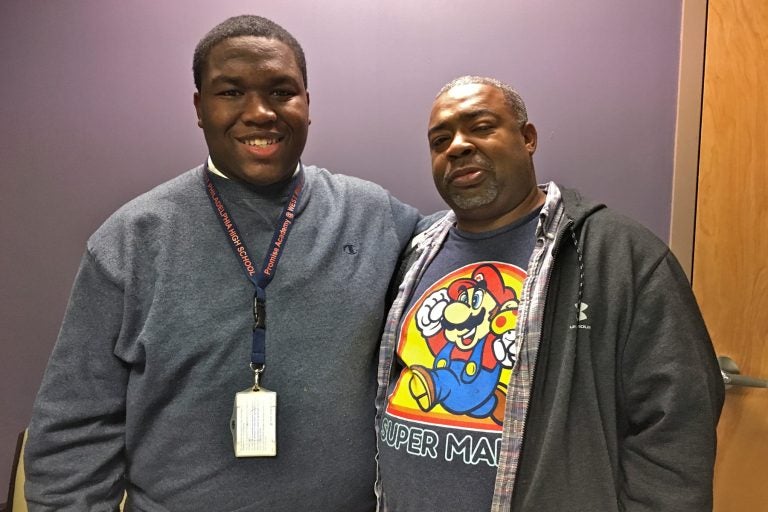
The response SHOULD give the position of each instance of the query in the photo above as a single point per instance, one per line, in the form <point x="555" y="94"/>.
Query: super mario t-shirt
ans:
<point x="441" y="430"/>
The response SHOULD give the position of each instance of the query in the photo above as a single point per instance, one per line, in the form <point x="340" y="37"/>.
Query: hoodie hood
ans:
<point x="577" y="207"/>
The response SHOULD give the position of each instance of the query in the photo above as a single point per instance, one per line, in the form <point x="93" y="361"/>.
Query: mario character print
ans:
<point x="458" y="347"/>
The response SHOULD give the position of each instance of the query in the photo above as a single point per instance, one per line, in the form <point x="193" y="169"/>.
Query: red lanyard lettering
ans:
<point x="262" y="278"/>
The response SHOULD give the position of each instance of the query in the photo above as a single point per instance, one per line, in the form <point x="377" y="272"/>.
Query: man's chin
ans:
<point x="471" y="200"/>
<point x="264" y="175"/>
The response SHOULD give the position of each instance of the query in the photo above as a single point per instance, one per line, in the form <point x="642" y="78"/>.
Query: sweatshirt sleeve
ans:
<point x="673" y="393"/>
<point x="74" y="457"/>
<point x="406" y="219"/>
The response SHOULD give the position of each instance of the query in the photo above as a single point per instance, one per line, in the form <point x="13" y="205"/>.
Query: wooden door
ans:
<point x="730" y="265"/>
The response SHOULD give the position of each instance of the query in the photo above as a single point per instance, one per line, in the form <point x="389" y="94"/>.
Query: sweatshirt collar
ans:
<point x="217" y="172"/>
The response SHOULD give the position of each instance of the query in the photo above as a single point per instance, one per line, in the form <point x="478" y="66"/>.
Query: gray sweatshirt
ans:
<point x="155" y="343"/>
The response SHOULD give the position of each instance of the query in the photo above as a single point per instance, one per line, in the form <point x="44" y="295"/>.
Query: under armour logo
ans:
<point x="350" y="249"/>
<point x="582" y="307"/>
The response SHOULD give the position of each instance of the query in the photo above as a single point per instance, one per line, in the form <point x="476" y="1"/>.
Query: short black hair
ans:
<point x="511" y="96"/>
<point x="244" y="25"/>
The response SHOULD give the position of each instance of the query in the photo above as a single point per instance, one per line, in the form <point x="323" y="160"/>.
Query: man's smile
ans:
<point x="261" y="145"/>
<point x="260" y="142"/>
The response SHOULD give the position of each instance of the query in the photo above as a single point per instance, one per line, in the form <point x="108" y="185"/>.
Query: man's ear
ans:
<point x="309" y="122"/>
<point x="531" y="137"/>
<point x="196" y="101"/>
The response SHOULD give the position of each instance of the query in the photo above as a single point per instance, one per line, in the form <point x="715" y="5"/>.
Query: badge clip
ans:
<point x="259" y="314"/>
<point x="257" y="371"/>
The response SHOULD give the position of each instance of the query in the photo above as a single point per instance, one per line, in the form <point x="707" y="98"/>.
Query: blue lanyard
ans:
<point x="259" y="278"/>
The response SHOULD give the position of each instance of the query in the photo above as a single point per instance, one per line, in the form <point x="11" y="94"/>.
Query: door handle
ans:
<point x="732" y="375"/>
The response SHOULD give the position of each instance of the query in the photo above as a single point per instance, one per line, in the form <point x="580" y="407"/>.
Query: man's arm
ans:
<point x="671" y="398"/>
<point x="74" y="457"/>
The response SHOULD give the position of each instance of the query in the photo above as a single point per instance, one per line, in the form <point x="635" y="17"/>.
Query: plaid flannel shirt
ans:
<point x="530" y="313"/>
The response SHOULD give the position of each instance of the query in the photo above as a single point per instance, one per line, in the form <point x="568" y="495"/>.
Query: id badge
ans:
<point x="254" y="423"/>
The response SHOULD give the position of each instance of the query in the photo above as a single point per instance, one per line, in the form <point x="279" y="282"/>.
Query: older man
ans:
<point x="544" y="353"/>
<point x="238" y="263"/>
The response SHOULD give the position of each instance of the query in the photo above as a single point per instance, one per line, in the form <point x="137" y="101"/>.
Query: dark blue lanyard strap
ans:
<point x="263" y="277"/>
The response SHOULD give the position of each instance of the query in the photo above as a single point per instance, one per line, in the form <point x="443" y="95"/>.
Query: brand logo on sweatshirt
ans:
<point x="582" y="309"/>
<point x="350" y="249"/>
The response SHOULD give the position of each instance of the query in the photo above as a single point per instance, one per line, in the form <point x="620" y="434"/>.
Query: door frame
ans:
<point x="682" y="226"/>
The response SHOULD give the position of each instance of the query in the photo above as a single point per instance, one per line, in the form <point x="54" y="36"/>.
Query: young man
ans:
<point x="544" y="353"/>
<point x="238" y="263"/>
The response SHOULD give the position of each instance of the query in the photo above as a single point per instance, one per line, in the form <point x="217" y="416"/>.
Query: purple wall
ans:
<point x="97" y="107"/>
